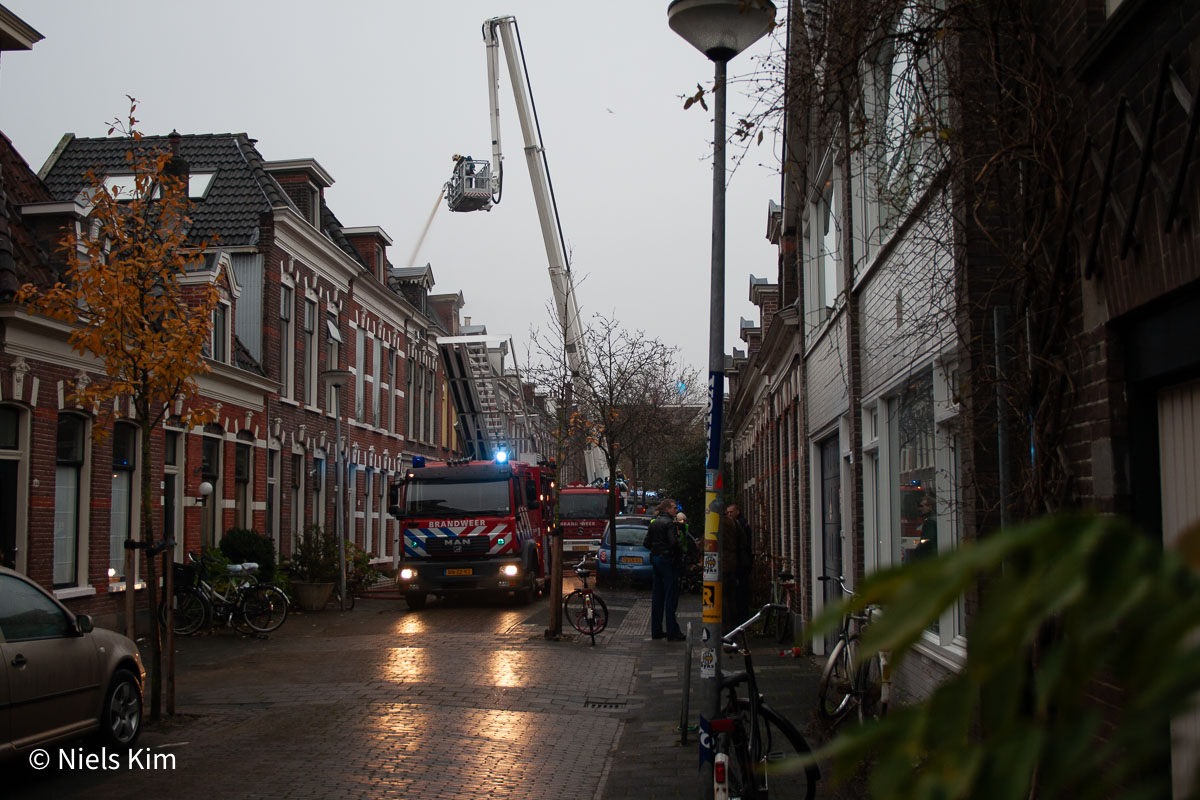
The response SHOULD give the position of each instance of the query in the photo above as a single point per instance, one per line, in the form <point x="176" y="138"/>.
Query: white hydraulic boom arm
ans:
<point x="477" y="185"/>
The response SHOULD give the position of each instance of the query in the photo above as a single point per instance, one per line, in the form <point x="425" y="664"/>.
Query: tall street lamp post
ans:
<point x="337" y="378"/>
<point x="720" y="29"/>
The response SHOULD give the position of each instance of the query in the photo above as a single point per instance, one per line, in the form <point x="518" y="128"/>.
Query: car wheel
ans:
<point x="415" y="600"/>
<point x="121" y="721"/>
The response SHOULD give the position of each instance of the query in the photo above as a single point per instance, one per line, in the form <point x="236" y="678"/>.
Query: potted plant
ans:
<point x="314" y="568"/>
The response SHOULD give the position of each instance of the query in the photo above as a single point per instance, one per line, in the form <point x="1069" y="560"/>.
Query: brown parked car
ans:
<point x="60" y="677"/>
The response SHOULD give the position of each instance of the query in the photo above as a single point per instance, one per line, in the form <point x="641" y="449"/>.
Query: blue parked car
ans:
<point x="633" y="560"/>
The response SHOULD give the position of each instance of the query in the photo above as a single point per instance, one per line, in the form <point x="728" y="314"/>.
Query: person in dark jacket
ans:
<point x="662" y="540"/>
<point x="737" y="561"/>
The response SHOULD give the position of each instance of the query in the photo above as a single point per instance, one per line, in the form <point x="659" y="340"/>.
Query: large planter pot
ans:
<point x="312" y="596"/>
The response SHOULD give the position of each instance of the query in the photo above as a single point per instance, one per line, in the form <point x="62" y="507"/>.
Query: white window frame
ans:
<point x="244" y="509"/>
<point x="131" y="512"/>
<point x="312" y="313"/>
<point x="274" y="467"/>
<point x="333" y="352"/>
<point x="82" y="496"/>
<point x="20" y="455"/>
<point x="368" y="511"/>
<point x="360" y="367"/>
<point x="287" y="340"/>
<point x="176" y="471"/>
<point x="299" y="467"/>
<point x="374" y="378"/>
<point x="948" y="644"/>
<point x="320" y="513"/>
<point x="219" y="342"/>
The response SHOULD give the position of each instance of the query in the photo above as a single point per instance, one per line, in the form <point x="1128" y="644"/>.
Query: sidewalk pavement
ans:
<point x="648" y="743"/>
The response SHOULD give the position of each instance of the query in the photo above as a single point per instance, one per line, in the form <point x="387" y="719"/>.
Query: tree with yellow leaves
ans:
<point x="123" y="295"/>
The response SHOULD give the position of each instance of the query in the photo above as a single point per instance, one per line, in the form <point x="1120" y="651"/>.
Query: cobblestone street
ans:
<point x="454" y="701"/>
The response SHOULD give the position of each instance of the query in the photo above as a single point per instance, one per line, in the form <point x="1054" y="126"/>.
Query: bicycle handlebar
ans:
<point x="729" y="637"/>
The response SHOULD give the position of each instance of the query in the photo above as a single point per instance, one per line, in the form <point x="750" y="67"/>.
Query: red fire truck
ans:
<point x="582" y="514"/>
<point x="473" y="527"/>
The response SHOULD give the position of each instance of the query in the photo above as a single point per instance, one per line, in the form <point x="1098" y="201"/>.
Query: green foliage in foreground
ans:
<point x="1067" y="601"/>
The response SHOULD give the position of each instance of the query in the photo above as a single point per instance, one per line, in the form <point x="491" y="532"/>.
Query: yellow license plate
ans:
<point x="580" y="547"/>
<point x="466" y="571"/>
<point x="631" y="559"/>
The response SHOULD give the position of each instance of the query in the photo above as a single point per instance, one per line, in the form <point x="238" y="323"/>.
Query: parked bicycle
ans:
<point x="234" y="598"/>
<point x="847" y="682"/>
<point x="759" y="753"/>
<point x="779" y="623"/>
<point x="585" y="609"/>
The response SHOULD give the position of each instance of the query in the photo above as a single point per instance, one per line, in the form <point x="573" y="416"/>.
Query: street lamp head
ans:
<point x="206" y="489"/>
<point x="337" y="378"/>
<point x="721" y="28"/>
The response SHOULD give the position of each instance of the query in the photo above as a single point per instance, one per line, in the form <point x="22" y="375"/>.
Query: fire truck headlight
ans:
<point x="501" y="456"/>
<point x="510" y="570"/>
<point x="406" y="574"/>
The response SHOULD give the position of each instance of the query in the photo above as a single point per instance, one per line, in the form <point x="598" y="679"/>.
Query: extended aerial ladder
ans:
<point x="477" y="185"/>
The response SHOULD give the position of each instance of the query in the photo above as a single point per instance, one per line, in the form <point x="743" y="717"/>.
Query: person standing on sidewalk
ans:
<point x="662" y="541"/>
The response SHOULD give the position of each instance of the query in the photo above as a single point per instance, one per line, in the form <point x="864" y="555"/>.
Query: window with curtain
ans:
<point x="68" y="488"/>
<point x="124" y="464"/>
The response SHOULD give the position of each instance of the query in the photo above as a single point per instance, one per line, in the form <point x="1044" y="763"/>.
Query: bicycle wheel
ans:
<point x="780" y="765"/>
<point x="190" y="611"/>
<point x="264" y="608"/>
<point x="783" y="627"/>
<point x="837" y="688"/>
<point x="739" y="766"/>
<point x="870" y="690"/>
<point x="575" y="611"/>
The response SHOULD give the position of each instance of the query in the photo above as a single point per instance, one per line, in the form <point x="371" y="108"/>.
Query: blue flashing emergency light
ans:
<point x="501" y="456"/>
<point x="418" y="461"/>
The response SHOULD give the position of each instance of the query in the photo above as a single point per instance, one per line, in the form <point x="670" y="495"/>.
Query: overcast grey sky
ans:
<point x="382" y="94"/>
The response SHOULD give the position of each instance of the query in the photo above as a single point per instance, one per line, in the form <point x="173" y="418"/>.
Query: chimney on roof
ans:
<point x="466" y="322"/>
<point x="177" y="166"/>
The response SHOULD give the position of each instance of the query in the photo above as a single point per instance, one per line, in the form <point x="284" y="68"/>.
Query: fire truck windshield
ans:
<point x="456" y="499"/>
<point x="582" y="506"/>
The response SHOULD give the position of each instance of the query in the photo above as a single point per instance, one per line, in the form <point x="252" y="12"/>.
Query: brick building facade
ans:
<point x="889" y="365"/>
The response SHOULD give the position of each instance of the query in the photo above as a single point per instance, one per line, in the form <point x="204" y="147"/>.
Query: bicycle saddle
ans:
<point x="731" y="679"/>
<point x="786" y="577"/>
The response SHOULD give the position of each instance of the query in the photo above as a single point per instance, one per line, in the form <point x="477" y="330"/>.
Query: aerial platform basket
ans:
<point x="470" y="187"/>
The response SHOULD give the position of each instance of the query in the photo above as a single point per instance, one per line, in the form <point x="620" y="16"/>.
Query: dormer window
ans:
<point x="220" y="332"/>
<point x="302" y="180"/>
<point x="123" y="187"/>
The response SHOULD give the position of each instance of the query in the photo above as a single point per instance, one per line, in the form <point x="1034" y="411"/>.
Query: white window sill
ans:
<point x="77" y="591"/>
<point x="289" y="402"/>
<point x="952" y="657"/>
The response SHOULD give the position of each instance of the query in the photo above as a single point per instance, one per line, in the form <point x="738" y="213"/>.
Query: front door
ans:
<point x="831" y="522"/>
<point x="8" y="513"/>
